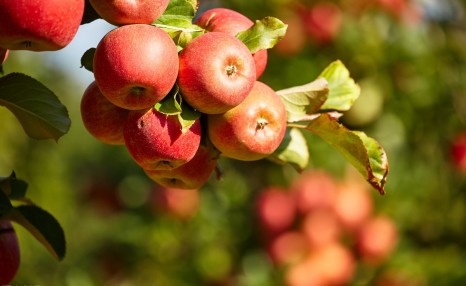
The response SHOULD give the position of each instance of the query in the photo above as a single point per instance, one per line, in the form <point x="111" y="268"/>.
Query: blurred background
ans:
<point x="264" y="224"/>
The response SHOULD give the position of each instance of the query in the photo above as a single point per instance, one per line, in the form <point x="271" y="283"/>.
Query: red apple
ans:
<point x="276" y="210"/>
<point x="336" y="263"/>
<point x="323" y="22"/>
<point x="313" y="190"/>
<point x="101" y="118"/>
<point x="129" y="11"/>
<point x="458" y="152"/>
<point x="3" y="55"/>
<point x="192" y="175"/>
<point x="353" y="205"/>
<point x="321" y="227"/>
<point x="288" y="248"/>
<point x="295" y="38"/>
<point x="376" y="239"/>
<point x="39" y="25"/>
<point x="179" y="203"/>
<point x="9" y="253"/>
<point x="231" y="22"/>
<point x="216" y="73"/>
<point x="252" y="130"/>
<point x="135" y="66"/>
<point x="156" y="141"/>
<point x="305" y="273"/>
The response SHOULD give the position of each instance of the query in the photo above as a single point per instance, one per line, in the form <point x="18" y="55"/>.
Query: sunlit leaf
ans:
<point x="38" y="109"/>
<point x="292" y="150"/>
<point x="304" y="100"/>
<point x="363" y="152"/>
<point x="264" y="34"/>
<point x="343" y="91"/>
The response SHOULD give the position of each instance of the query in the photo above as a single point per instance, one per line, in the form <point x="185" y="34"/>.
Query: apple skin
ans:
<point x="101" y="118"/>
<point x="216" y="72"/>
<point x="9" y="253"/>
<point x="156" y="141"/>
<point x="3" y="55"/>
<point x="192" y="175"/>
<point x="252" y="130"/>
<point x="135" y="66"/>
<point x="39" y="25"/>
<point x="231" y="22"/>
<point x="129" y="11"/>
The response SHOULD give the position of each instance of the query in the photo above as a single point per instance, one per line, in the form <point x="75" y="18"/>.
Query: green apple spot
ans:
<point x="231" y="70"/>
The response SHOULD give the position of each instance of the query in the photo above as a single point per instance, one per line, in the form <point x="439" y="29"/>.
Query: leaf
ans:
<point x="181" y="8"/>
<point x="363" y="152"/>
<point x="37" y="108"/>
<point x="173" y="105"/>
<point x="343" y="91"/>
<point x="89" y="13"/>
<point x="42" y="225"/>
<point x="14" y="188"/>
<point x="304" y="100"/>
<point x="87" y="60"/>
<point x="5" y="204"/>
<point x="292" y="150"/>
<point x="264" y="34"/>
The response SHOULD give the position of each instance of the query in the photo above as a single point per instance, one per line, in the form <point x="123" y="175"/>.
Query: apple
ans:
<point x="336" y="263"/>
<point x="216" y="72"/>
<point x="376" y="239"/>
<point x="192" y="175"/>
<point x="304" y="273"/>
<point x="295" y="38"/>
<point x="3" y="55"/>
<point x="102" y="119"/>
<point x="252" y="130"/>
<point x="353" y="205"/>
<point x="178" y="203"/>
<point x="129" y="11"/>
<point x="39" y="25"/>
<point x="321" y="227"/>
<point x="135" y="66"/>
<point x="231" y="22"/>
<point x="9" y="253"/>
<point x="458" y="152"/>
<point x="288" y="247"/>
<point x="275" y="210"/>
<point x="156" y="141"/>
<point x="314" y="190"/>
<point x="322" y="22"/>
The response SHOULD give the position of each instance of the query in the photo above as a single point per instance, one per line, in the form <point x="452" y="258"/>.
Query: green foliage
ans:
<point x="264" y="34"/>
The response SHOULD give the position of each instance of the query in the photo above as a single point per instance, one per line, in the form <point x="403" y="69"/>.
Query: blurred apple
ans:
<point x="458" y="152"/>
<point x="304" y="273"/>
<point x="295" y="37"/>
<point x="288" y="248"/>
<point x="321" y="227"/>
<point x="312" y="190"/>
<point x="353" y="205"/>
<point x="322" y="21"/>
<point x="336" y="263"/>
<point x="276" y="210"/>
<point x="179" y="203"/>
<point x="376" y="239"/>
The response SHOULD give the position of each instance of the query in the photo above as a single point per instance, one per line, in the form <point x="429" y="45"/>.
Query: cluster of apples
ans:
<point x="319" y="229"/>
<point x="177" y="109"/>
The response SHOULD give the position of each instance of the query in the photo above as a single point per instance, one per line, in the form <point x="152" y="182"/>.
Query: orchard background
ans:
<point x="409" y="59"/>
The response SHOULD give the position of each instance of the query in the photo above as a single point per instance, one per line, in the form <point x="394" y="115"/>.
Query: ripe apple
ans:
<point x="156" y="141"/>
<point x="321" y="227"/>
<point x="178" y="203"/>
<point x="275" y="210"/>
<point x="376" y="239"/>
<point x="353" y="205"/>
<point x="314" y="190"/>
<point x="458" y="152"/>
<point x="216" y="73"/>
<point x="336" y="263"/>
<point x="192" y="175"/>
<point x="322" y="21"/>
<point x="135" y="66"/>
<point x="288" y="247"/>
<point x="305" y="273"/>
<point x="231" y="22"/>
<point x="252" y="130"/>
<point x="39" y="25"/>
<point x="129" y="11"/>
<point x="9" y="253"/>
<point x="101" y="118"/>
<point x="3" y="55"/>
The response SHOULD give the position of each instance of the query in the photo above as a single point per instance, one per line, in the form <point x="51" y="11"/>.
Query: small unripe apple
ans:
<point x="102" y="119"/>
<point x="231" y="22"/>
<point x="3" y="55"/>
<point x="276" y="210"/>
<point x="126" y="12"/>
<point x="135" y="66"/>
<point x="156" y="141"/>
<point x="252" y="130"/>
<point x="216" y="73"/>
<point x="9" y="253"/>
<point x="39" y="25"/>
<point x="192" y="175"/>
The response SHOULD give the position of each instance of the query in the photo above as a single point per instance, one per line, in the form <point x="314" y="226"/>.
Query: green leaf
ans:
<point x="89" y="13"/>
<point x="87" y="60"/>
<point x="37" y="108"/>
<point x="343" y="91"/>
<point x="42" y="225"/>
<point x="363" y="152"/>
<point x="292" y="150"/>
<point x="5" y="204"/>
<point x="14" y="188"/>
<point x="264" y="34"/>
<point x="181" y="8"/>
<point x="304" y="100"/>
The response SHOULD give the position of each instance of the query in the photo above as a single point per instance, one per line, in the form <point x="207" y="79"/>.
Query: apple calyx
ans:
<point x="231" y="70"/>
<point x="261" y="124"/>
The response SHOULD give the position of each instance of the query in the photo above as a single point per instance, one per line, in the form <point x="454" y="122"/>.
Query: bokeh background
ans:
<point x="409" y="57"/>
